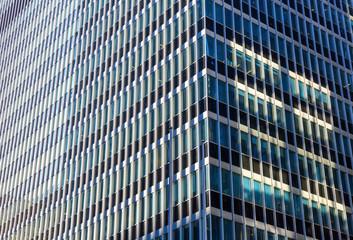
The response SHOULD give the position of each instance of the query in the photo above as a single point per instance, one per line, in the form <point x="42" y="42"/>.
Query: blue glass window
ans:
<point x="224" y="134"/>
<point x="254" y="147"/>
<point x="226" y="182"/>
<point x="256" y="32"/>
<point x="241" y="95"/>
<point x="237" y="190"/>
<point x="210" y="46"/>
<point x="237" y="23"/>
<point x="264" y="150"/>
<point x="227" y="229"/>
<point x="234" y="138"/>
<point x="220" y="51"/>
<point x="247" y="189"/>
<point x="247" y="28"/>
<point x="222" y="91"/>
<point x="228" y="18"/>
<point x="251" y="102"/>
<point x="244" y="143"/>
<point x="214" y="178"/>
<point x="213" y="130"/>
<point x="268" y="196"/>
<point x="209" y="8"/>
<point x="278" y="200"/>
<point x="231" y="93"/>
<point x="219" y="13"/>
<point x="287" y="202"/>
<point x="230" y="56"/>
<point x="297" y="206"/>
<point x="258" y="193"/>
<point x="216" y="227"/>
<point x="212" y="87"/>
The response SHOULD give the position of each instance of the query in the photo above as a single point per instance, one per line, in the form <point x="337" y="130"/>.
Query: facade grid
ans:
<point x="90" y="89"/>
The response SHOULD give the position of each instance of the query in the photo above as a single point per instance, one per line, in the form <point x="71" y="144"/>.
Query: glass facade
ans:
<point x="89" y="90"/>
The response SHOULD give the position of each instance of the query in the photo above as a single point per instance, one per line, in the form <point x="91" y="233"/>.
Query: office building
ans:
<point x="89" y="91"/>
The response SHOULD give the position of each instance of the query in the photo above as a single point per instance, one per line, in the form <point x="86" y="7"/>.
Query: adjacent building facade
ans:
<point x="104" y="106"/>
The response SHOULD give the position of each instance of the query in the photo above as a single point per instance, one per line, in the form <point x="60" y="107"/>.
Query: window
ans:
<point x="278" y="200"/>
<point x="244" y="143"/>
<point x="251" y="102"/>
<point x="247" y="189"/>
<point x="234" y="138"/>
<point x="222" y="91"/>
<point x="247" y="28"/>
<point x="212" y="87"/>
<point x="256" y="32"/>
<point x="306" y="209"/>
<point x="268" y="196"/>
<point x="228" y="18"/>
<point x="250" y="233"/>
<point x="226" y="182"/>
<point x="270" y="112"/>
<point x="194" y="183"/>
<point x="293" y="161"/>
<point x="240" y="60"/>
<point x="297" y="206"/>
<point x="238" y="25"/>
<point x="214" y="178"/>
<point x="261" y="234"/>
<point x="219" y="14"/>
<point x="254" y="146"/>
<point x="185" y="188"/>
<point x="210" y="46"/>
<point x="185" y="232"/>
<point x="213" y="130"/>
<point x="216" y="227"/>
<point x="260" y="106"/>
<point x="230" y="56"/>
<point x="220" y="51"/>
<point x="287" y="202"/>
<point x="231" y="93"/>
<point x="237" y="191"/>
<point x="238" y="229"/>
<point x="258" y="193"/>
<point x="195" y="230"/>
<point x="209" y="8"/>
<point x="264" y="150"/>
<point x="176" y="192"/>
<point x="350" y="223"/>
<point x="185" y="141"/>
<point x="227" y="229"/>
<point x="224" y="134"/>
<point x="241" y="96"/>
<point x="279" y="113"/>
